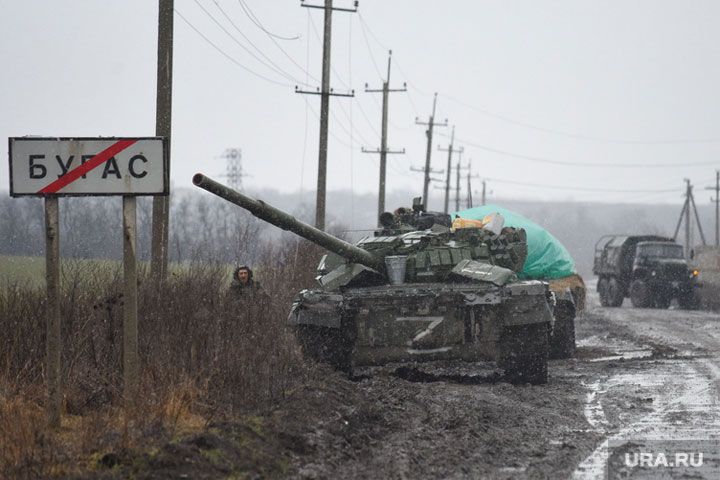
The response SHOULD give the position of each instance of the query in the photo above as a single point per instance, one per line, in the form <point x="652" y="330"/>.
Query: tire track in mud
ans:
<point x="683" y="389"/>
<point x="680" y="412"/>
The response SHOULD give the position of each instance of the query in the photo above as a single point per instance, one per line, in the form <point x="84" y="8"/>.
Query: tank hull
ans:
<point x="429" y="321"/>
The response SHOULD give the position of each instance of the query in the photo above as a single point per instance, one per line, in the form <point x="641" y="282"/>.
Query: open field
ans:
<point x="30" y="271"/>
<point x="22" y="270"/>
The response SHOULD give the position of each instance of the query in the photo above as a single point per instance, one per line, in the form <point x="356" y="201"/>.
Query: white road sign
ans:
<point x="88" y="166"/>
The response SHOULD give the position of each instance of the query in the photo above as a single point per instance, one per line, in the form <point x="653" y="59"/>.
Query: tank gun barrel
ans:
<point x="282" y="220"/>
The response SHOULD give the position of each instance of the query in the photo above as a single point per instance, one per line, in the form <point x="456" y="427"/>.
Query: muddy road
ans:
<point x="644" y="382"/>
<point x="640" y="376"/>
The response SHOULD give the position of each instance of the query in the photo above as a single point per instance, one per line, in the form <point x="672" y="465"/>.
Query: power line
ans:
<point x="578" y="164"/>
<point x="255" y="20"/>
<point x="580" y="136"/>
<point x="223" y="53"/>
<point x="367" y="43"/>
<point x="583" y="189"/>
<point x="270" y="65"/>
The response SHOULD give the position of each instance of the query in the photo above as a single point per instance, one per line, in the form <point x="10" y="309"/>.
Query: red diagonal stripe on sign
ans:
<point x="84" y="168"/>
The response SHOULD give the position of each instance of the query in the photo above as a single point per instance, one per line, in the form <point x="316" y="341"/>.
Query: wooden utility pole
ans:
<point x="325" y="94"/>
<point x="383" y="150"/>
<point x="449" y="167"/>
<point x="717" y="206"/>
<point x="429" y="132"/>
<point x="163" y="124"/>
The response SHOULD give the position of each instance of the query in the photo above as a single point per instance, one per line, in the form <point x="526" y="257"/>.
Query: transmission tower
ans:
<point x="233" y="169"/>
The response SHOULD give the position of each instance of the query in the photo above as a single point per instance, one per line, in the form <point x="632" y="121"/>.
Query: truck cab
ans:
<point x="649" y="269"/>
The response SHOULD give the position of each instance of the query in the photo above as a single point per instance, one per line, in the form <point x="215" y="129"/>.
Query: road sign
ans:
<point x="43" y="166"/>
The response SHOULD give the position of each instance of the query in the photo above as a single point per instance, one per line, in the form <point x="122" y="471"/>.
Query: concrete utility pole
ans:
<point x="449" y="167"/>
<point x="383" y="150"/>
<point x="717" y="206"/>
<point x="325" y="94"/>
<point x="689" y="203"/>
<point x="468" y="199"/>
<point x="429" y="132"/>
<point x="163" y="124"/>
<point x="457" y="181"/>
<point x="483" y="193"/>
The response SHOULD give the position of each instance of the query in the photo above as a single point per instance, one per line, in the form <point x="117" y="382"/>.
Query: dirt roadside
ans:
<point x="457" y="423"/>
<point x="454" y="426"/>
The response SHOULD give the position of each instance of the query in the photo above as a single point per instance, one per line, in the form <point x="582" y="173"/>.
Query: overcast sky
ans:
<point x="614" y="99"/>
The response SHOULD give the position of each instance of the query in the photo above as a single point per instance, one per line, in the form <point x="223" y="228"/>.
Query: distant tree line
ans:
<point x="206" y="228"/>
<point x="202" y="228"/>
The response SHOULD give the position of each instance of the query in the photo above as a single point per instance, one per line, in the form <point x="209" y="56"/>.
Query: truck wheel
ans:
<point x="602" y="288"/>
<point x="640" y="294"/>
<point x="614" y="293"/>
<point x="562" y="340"/>
<point x="662" y="301"/>
<point x="689" y="301"/>
<point x="524" y="353"/>
<point x="326" y="345"/>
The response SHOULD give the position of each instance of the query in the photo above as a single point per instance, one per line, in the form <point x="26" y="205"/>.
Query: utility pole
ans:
<point x="325" y="94"/>
<point x="717" y="206"/>
<point x="449" y="166"/>
<point x="468" y="201"/>
<point x="457" y="181"/>
<point x="689" y="203"/>
<point x="383" y="150"/>
<point x="483" y="193"/>
<point x="163" y="124"/>
<point x="429" y="132"/>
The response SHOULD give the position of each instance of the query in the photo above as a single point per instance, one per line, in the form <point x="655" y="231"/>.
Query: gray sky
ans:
<point x="588" y="94"/>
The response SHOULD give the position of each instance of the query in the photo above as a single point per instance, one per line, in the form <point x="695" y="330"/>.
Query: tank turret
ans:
<point x="424" y="242"/>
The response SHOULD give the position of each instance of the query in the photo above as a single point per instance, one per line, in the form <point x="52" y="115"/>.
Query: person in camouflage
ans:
<point x="244" y="287"/>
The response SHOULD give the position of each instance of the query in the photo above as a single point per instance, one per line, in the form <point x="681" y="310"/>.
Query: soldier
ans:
<point x="243" y="286"/>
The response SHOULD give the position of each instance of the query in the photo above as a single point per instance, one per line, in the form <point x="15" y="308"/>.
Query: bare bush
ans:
<point x="203" y="355"/>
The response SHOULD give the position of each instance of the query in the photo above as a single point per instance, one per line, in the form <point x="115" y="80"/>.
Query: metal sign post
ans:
<point x="55" y="167"/>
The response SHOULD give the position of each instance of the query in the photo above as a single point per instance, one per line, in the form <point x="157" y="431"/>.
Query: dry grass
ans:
<point x="203" y="358"/>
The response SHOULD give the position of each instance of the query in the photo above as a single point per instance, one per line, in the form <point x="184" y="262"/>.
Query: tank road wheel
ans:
<point x="562" y="340"/>
<point x="602" y="288"/>
<point x="325" y="345"/>
<point x="614" y="293"/>
<point x="524" y="353"/>
<point x="640" y="294"/>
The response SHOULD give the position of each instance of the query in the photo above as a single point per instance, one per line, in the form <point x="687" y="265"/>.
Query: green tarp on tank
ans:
<point x="547" y="257"/>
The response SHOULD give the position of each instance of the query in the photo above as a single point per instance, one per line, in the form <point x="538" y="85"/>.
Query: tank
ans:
<point x="418" y="290"/>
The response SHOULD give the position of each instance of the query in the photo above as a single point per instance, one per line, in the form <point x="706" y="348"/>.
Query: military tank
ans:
<point x="417" y="290"/>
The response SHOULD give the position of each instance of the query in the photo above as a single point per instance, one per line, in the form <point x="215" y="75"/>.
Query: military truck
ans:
<point x="707" y="264"/>
<point x="650" y="269"/>
<point x="418" y="290"/>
